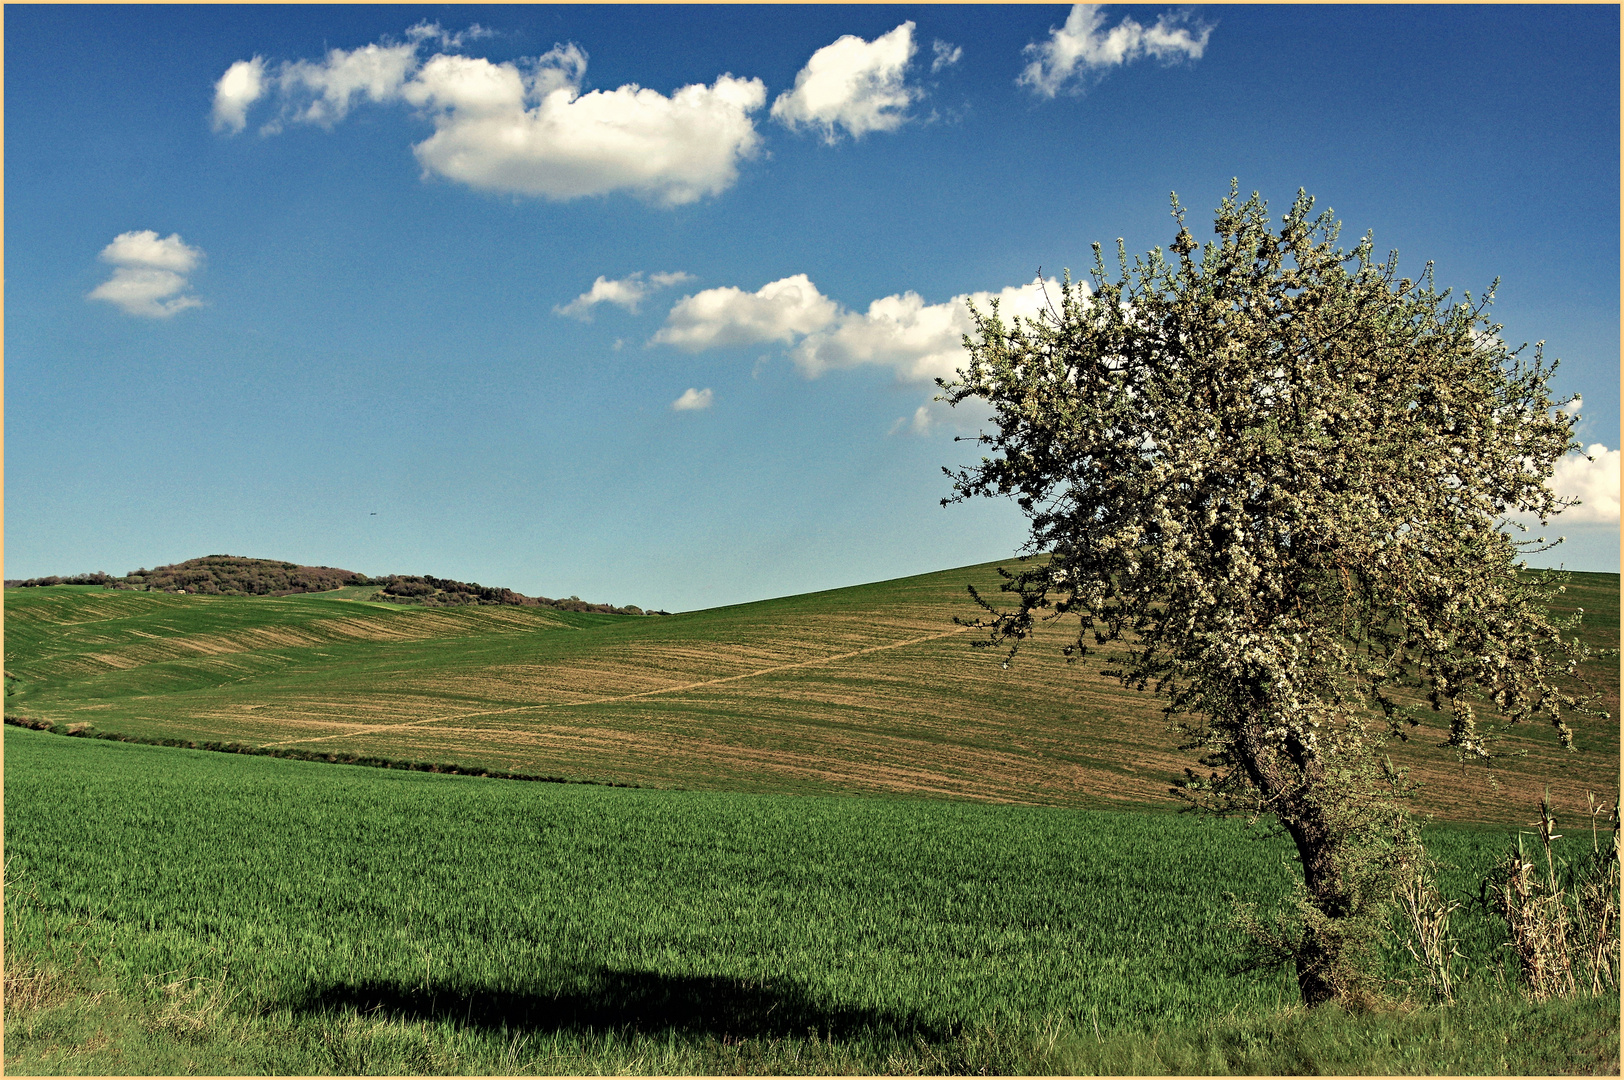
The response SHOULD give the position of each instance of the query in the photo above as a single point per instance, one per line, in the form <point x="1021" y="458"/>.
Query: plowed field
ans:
<point x="870" y="689"/>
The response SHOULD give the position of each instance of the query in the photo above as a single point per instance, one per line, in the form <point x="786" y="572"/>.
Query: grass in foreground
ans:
<point x="177" y="911"/>
<point x="108" y="1035"/>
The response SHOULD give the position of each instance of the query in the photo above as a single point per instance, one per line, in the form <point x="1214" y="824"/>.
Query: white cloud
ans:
<point x="693" y="400"/>
<point x="945" y="55"/>
<point x="627" y="292"/>
<point x="146" y="249"/>
<point x="522" y="127"/>
<point x="1592" y="478"/>
<point x="936" y="415"/>
<point x="918" y="341"/>
<point x="781" y="311"/>
<point x="150" y="293"/>
<point x="919" y="424"/>
<point x="433" y="31"/>
<point x="1083" y="48"/>
<point x="852" y="84"/>
<point x="323" y="93"/>
<point x="241" y="86"/>
<point x="672" y="150"/>
<point x="149" y="274"/>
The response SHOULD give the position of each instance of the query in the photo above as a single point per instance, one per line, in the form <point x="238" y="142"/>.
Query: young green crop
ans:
<point x="293" y="916"/>
<point x="322" y="886"/>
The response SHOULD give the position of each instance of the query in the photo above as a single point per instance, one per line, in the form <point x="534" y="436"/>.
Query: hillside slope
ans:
<point x="864" y="689"/>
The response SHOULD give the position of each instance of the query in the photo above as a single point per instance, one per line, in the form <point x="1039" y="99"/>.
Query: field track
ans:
<point x="869" y="689"/>
<point x="648" y="693"/>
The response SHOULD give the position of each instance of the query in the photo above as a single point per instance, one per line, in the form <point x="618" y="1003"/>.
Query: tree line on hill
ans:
<point x="233" y="575"/>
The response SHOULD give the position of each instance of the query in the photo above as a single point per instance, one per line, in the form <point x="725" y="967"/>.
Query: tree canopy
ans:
<point x="1283" y="476"/>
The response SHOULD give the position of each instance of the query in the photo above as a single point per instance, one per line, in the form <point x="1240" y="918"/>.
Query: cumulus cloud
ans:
<point x="1593" y="479"/>
<point x="149" y="275"/>
<point x="241" y="86"/>
<point x="945" y="55"/>
<point x="146" y="249"/>
<point x="1083" y="48"/>
<point x="854" y="85"/>
<point x="520" y="127"/>
<point x="919" y="342"/>
<point x="781" y="311"/>
<point x="149" y="293"/>
<point x="916" y="341"/>
<point x="501" y="129"/>
<point x="627" y="292"/>
<point x="693" y="400"/>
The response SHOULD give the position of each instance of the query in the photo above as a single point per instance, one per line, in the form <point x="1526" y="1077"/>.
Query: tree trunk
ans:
<point x="1313" y="971"/>
<point x="1321" y="955"/>
<point x="1279" y="773"/>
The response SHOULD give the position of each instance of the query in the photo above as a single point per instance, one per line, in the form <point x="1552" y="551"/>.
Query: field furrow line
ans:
<point x="677" y="689"/>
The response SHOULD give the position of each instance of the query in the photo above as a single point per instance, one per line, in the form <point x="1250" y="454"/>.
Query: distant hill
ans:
<point x="236" y="575"/>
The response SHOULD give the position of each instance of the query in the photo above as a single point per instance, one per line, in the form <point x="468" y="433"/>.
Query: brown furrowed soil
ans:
<point x="868" y="689"/>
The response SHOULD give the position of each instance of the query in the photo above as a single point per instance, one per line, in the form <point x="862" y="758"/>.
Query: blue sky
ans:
<point x="643" y="304"/>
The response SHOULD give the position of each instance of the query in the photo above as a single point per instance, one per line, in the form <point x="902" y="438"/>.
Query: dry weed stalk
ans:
<point x="29" y="986"/>
<point x="192" y="1004"/>
<point x="1426" y="937"/>
<point x="1596" y="901"/>
<point x="1566" y="919"/>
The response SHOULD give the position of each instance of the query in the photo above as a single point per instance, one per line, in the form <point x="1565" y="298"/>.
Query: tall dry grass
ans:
<point x="1562" y="923"/>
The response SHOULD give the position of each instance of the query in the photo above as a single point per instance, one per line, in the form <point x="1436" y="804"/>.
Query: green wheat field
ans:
<point x="818" y="834"/>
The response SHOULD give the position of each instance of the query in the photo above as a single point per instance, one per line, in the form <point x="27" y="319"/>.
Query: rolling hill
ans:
<point x="868" y="689"/>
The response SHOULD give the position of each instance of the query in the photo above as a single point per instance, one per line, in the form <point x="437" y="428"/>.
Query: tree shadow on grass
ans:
<point x="645" y="1002"/>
